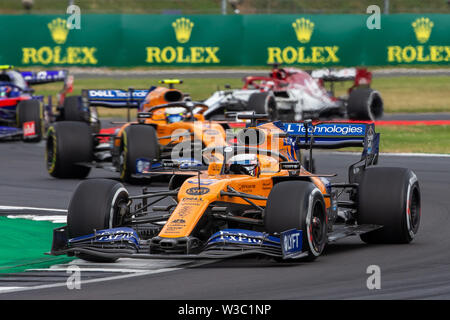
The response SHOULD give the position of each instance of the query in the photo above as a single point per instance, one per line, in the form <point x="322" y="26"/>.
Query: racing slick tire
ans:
<point x="298" y="205"/>
<point x="263" y="103"/>
<point x="73" y="111"/>
<point x="95" y="205"/>
<point x="138" y="141"/>
<point x="68" y="143"/>
<point x="364" y="104"/>
<point x="31" y="111"/>
<point x="389" y="197"/>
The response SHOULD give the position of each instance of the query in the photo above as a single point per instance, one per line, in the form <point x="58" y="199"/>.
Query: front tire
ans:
<point x="298" y="205"/>
<point x="389" y="197"/>
<point x="96" y="205"/>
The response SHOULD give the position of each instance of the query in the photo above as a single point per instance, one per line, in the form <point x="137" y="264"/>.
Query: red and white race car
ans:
<point x="294" y="94"/>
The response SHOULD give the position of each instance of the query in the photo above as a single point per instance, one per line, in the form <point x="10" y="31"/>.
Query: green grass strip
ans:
<point x="23" y="244"/>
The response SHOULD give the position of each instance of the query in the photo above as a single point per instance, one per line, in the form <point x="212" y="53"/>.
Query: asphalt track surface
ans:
<point x="419" y="270"/>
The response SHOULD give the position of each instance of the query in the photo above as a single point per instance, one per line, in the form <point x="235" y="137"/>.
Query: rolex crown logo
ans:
<point x="58" y="30"/>
<point x="183" y="28"/>
<point x="303" y="29"/>
<point x="422" y="29"/>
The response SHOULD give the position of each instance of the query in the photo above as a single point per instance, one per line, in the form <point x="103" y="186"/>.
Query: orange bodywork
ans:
<point x="160" y="96"/>
<point x="210" y="133"/>
<point x="195" y="198"/>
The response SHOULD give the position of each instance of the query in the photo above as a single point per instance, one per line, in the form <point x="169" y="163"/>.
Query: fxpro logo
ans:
<point x="183" y="28"/>
<point x="422" y="28"/>
<point x="304" y="29"/>
<point x="59" y="54"/>
<point x="327" y="130"/>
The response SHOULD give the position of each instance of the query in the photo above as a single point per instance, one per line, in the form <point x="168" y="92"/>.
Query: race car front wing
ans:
<point x="125" y="243"/>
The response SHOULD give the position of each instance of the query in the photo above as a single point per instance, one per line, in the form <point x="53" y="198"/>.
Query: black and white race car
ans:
<point x="289" y="94"/>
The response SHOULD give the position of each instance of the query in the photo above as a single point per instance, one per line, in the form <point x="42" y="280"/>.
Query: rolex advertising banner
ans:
<point x="230" y="40"/>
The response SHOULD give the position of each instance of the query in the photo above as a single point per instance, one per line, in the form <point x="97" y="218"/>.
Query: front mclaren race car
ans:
<point x="254" y="198"/>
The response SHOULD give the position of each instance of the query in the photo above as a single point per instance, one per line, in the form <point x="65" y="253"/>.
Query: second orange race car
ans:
<point x="168" y="126"/>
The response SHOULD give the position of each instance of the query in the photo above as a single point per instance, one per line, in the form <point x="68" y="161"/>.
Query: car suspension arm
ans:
<point x="245" y="196"/>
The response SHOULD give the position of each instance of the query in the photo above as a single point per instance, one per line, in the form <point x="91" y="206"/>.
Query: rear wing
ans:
<point x="333" y="135"/>
<point x="41" y="77"/>
<point x="115" y="98"/>
<point x="360" y="76"/>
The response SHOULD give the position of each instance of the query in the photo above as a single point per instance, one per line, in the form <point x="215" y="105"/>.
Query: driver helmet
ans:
<point x="174" y="114"/>
<point x="243" y="164"/>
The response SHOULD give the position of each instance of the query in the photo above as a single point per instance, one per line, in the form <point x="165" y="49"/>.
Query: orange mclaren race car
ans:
<point x="252" y="199"/>
<point x="167" y="123"/>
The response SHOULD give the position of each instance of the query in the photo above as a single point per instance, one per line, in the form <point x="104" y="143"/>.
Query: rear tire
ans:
<point x="298" y="205"/>
<point x="263" y="103"/>
<point x="95" y="206"/>
<point x="31" y="111"/>
<point x="389" y="197"/>
<point x="138" y="141"/>
<point x="73" y="111"/>
<point x="68" y="143"/>
<point x="364" y="104"/>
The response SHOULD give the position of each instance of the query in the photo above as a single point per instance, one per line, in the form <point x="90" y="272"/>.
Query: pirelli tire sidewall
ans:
<point x="95" y="205"/>
<point x="68" y="144"/>
<point x="31" y="111"/>
<point x="389" y="197"/>
<point x="294" y="205"/>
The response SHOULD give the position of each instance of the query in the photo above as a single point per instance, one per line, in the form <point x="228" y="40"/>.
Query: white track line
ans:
<point x="56" y="285"/>
<point x="16" y="208"/>
<point x="54" y="219"/>
<point x="393" y="154"/>
<point x="136" y="263"/>
<point x="10" y="289"/>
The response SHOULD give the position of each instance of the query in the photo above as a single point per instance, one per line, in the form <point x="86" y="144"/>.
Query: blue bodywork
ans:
<point x="123" y="241"/>
<point x="15" y="86"/>
<point x="116" y="98"/>
<point x="332" y="135"/>
<point x="108" y="236"/>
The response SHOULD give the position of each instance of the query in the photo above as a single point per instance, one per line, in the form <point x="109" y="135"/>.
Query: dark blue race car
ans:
<point x="24" y="115"/>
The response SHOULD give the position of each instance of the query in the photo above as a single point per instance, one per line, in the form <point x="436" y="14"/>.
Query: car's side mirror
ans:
<point x="290" y="165"/>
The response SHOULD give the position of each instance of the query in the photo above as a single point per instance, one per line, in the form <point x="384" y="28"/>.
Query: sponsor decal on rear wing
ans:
<point x="361" y="76"/>
<point x="41" y="77"/>
<point x="115" y="98"/>
<point x="334" y="75"/>
<point x="332" y="135"/>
